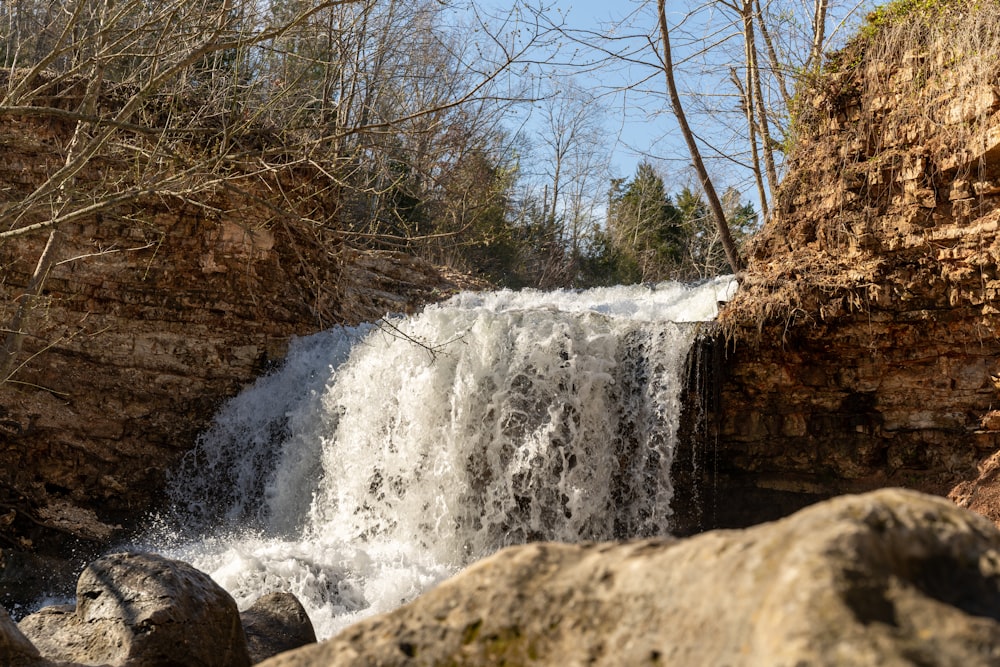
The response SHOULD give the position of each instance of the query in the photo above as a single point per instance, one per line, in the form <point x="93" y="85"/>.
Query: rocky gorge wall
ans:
<point x="863" y="349"/>
<point x="153" y="314"/>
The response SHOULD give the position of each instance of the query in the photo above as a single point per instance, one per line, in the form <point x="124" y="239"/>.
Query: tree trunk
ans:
<point x="715" y="205"/>
<point x="779" y="74"/>
<point x="758" y="176"/>
<point x="756" y="92"/>
<point x="819" y="35"/>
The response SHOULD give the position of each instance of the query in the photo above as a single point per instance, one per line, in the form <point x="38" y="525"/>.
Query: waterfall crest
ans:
<point x="380" y="459"/>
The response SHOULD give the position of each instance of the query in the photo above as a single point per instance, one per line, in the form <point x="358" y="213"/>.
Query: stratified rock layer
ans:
<point x="154" y="313"/>
<point x="863" y="347"/>
<point x="890" y="578"/>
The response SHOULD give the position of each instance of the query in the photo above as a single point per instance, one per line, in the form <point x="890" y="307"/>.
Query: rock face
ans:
<point x="153" y="314"/>
<point x="142" y="610"/>
<point x="889" y="578"/>
<point x="863" y="349"/>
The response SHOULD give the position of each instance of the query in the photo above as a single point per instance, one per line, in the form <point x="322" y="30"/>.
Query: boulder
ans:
<point x="142" y="610"/>
<point x="892" y="577"/>
<point x="15" y="649"/>
<point x="275" y="623"/>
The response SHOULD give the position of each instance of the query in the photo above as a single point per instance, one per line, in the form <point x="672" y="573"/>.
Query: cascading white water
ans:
<point x="380" y="459"/>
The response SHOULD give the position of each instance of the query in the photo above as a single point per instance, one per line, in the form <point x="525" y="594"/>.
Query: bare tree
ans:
<point x="574" y="161"/>
<point x="714" y="203"/>
<point x="176" y="99"/>
<point x="740" y="123"/>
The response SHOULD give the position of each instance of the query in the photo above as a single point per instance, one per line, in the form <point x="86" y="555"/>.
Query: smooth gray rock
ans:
<point x="142" y="610"/>
<point x="275" y="623"/>
<point x="889" y="578"/>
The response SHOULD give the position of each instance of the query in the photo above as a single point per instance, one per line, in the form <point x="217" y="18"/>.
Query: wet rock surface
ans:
<point x="275" y="623"/>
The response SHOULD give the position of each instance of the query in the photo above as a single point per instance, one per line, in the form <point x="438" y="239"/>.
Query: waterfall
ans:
<point x="378" y="460"/>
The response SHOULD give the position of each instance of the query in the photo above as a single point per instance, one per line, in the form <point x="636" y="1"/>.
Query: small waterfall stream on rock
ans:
<point x="379" y="460"/>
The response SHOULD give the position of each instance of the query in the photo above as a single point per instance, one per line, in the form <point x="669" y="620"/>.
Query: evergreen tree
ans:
<point x="704" y="255"/>
<point x="643" y="224"/>
<point x="651" y="236"/>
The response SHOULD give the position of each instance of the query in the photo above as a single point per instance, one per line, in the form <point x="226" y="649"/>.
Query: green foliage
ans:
<point x="704" y="255"/>
<point x="652" y="237"/>
<point x="539" y="257"/>
<point x="905" y="10"/>
<point x="464" y="216"/>
<point x="644" y="225"/>
<point x="602" y="264"/>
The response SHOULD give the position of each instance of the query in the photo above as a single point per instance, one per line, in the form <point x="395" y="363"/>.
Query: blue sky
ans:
<point x="638" y="121"/>
<point x="634" y="125"/>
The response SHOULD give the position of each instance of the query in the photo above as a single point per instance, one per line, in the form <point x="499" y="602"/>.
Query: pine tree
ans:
<point x="643" y="224"/>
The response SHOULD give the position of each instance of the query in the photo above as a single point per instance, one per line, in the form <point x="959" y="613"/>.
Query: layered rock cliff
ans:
<point x="863" y="347"/>
<point x="154" y="312"/>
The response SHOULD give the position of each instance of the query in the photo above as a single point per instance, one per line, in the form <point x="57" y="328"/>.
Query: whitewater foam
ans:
<point x="381" y="459"/>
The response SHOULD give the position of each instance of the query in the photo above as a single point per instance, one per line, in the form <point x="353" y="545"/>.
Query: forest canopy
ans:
<point x="475" y="138"/>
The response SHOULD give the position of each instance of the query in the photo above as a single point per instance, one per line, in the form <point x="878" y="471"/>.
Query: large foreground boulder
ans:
<point x="142" y="610"/>
<point x="888" y="578"/>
